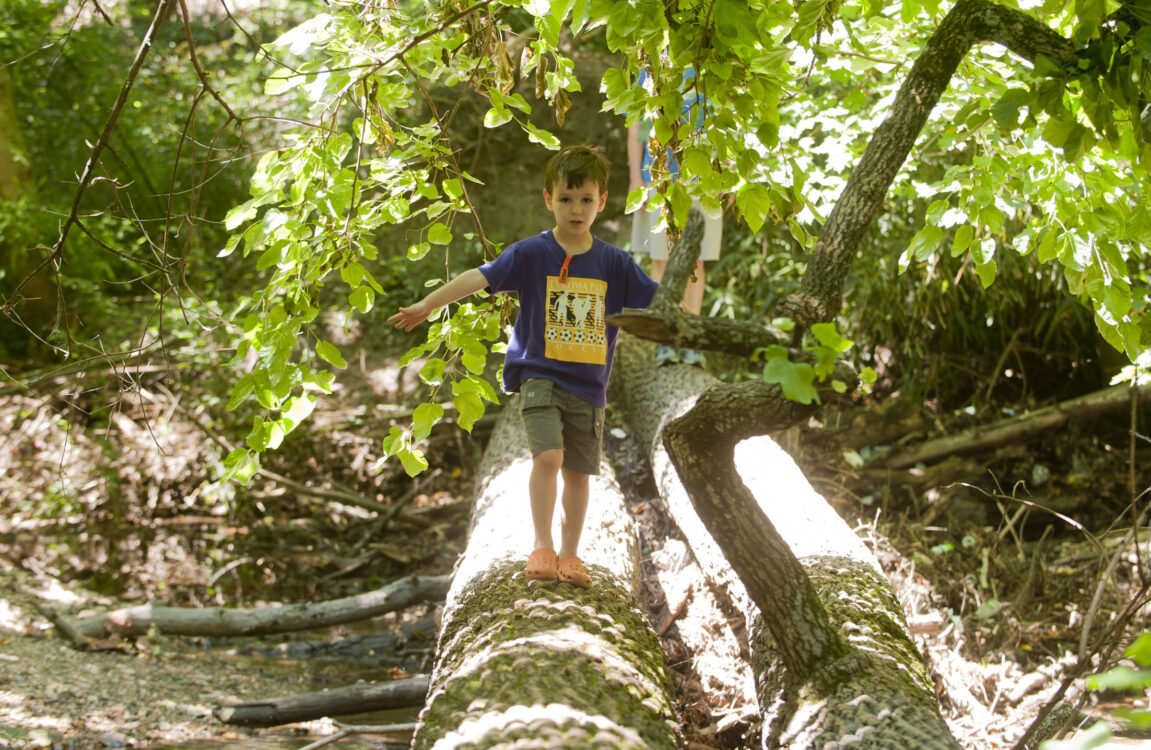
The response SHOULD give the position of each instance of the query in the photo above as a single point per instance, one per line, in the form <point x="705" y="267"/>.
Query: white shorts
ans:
<point x="645" y="240"/>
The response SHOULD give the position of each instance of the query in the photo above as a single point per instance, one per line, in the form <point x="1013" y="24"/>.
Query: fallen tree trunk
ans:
<point x="871" y="683"/>
<point x="1011" y="430"/>
<point x="520" y="660"/>
<point x="226" y="621"/>
<point x="354" y="699"/>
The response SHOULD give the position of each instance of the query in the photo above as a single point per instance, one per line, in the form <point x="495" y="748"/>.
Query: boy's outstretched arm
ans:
<point x="468" y="282"/>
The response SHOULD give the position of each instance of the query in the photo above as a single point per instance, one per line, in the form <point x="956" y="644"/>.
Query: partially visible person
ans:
<point x="560" y="354"/>
<point x="644" y="237"/>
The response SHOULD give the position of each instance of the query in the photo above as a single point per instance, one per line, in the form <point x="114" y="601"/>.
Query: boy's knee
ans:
<point x="549" y="460"/>
<point x="576" y="478"/>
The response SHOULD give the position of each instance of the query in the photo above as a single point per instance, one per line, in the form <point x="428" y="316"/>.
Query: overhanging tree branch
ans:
<point x="968" y="23"/>
<point x="663" y="321"/>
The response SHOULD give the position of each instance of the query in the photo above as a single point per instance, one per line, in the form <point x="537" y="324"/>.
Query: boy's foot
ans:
<point x="665" y="354"/>
<point x="571" y="571"/>
<point x="691" y="357"/>
<point x="542" y="564"/>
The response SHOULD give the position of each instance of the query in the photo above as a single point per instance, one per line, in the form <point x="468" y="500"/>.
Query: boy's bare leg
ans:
<point x="692" y="291"/>
<point x="542" y="493"/>
<point x="570" y="569"/>
<point x="572" y="511"/>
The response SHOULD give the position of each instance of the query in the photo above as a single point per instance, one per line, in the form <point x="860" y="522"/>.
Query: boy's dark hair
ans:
<point x="575" y="165"/>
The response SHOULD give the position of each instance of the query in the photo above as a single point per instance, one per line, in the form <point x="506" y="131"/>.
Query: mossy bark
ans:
<point x="540" y="663"/>
<point x="831" y="654"/>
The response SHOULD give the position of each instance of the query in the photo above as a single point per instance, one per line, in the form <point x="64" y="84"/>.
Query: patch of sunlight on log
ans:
<point x="11" y="618"/>
<point x="547" y="722"/>
<point x="803" y="518"/>
<point x="509" y="535"/>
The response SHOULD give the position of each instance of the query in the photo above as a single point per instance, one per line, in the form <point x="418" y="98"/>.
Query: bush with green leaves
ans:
<point x="175" y="162"/>
<point x="1022" y="158"/>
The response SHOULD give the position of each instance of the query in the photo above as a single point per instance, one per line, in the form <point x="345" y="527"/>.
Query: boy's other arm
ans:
<point x="468" y="282"/>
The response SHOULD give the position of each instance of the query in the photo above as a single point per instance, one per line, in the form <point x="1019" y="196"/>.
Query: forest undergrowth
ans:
<point x="111" y="494"/>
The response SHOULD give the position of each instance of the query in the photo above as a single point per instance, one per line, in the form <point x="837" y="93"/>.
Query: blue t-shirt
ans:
<point x="562" y="333"/>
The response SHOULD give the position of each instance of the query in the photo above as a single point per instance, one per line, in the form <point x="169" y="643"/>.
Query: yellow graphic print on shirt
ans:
<point x="575" y="330"/>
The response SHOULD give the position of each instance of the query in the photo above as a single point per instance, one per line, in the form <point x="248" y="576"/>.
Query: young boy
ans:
<point x="560" y="354"/>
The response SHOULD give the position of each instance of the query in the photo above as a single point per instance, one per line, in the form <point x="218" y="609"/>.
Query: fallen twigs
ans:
<point x="1000" y="433"/>
<point x="353" y="699"/>
<point x="225" y="621"/>
<point x="347" y="730"/>
<point x="1043" y="727"/>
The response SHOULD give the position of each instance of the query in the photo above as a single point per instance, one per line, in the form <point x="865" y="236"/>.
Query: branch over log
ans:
<point x="846" y="669"/>
<point x="968" y="23"/>
<point x="225" y="621"/>
<point x="664" y="322"/>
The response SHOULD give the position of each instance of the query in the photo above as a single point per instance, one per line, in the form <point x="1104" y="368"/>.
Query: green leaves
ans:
<point x="798" y="380"/>
<point x="1127" y="679"/>
<point x="432" y="373"/>
<point x="754" y="202"/>
<point x="459" y="360"/>
<point x="779" y="106"/>
<point x="330" y="354"/>
<point x="795" y="378"/>
<point x="425" y="417"/>
<point x="400" y="445"/>
<point x="438" y="234"/>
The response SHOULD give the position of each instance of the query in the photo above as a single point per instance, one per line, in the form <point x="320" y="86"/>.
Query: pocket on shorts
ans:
<point x="535" y="393"/>
<point x="597" y="423"/>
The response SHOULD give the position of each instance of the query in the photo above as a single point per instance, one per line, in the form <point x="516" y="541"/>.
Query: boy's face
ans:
<point x="575" y="207"/>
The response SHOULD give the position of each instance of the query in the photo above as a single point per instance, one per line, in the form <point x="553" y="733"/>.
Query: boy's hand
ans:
<point x="410" y="317"/>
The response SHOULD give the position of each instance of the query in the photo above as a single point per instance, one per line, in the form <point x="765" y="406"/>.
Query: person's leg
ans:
<point x="542" y="494"/>
<point x="663" y="352"/>
<point x="569" y="567"/>
<point x="657" y="269"/>
<point x="583" y="433"/>
<point x="693" y="290"/>
<point x="573" y="510"/>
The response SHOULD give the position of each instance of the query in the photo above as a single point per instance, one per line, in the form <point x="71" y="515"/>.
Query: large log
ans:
<point x="529" y="663"/>
<point x="872" y="685"/>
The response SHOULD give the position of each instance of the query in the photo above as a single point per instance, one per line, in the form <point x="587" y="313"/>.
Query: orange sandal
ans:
<point x="570" y="570"/>
<point x="542" y="564"/>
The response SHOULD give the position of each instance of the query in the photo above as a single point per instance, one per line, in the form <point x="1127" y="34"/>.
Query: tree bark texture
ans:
<point x="354" y="699"/>
<point x="664" y="322"/>
<point x="833" y="661"/>
<point x="968" y="23"/>
<point x="225" y="621"/>
<point x="532" y="664"/>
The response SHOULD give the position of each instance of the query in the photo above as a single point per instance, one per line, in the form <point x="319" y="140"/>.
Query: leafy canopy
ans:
<point x="1035" y="159"/>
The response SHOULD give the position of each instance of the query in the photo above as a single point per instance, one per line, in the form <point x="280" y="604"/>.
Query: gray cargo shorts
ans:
<point x="558" y="419"/>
